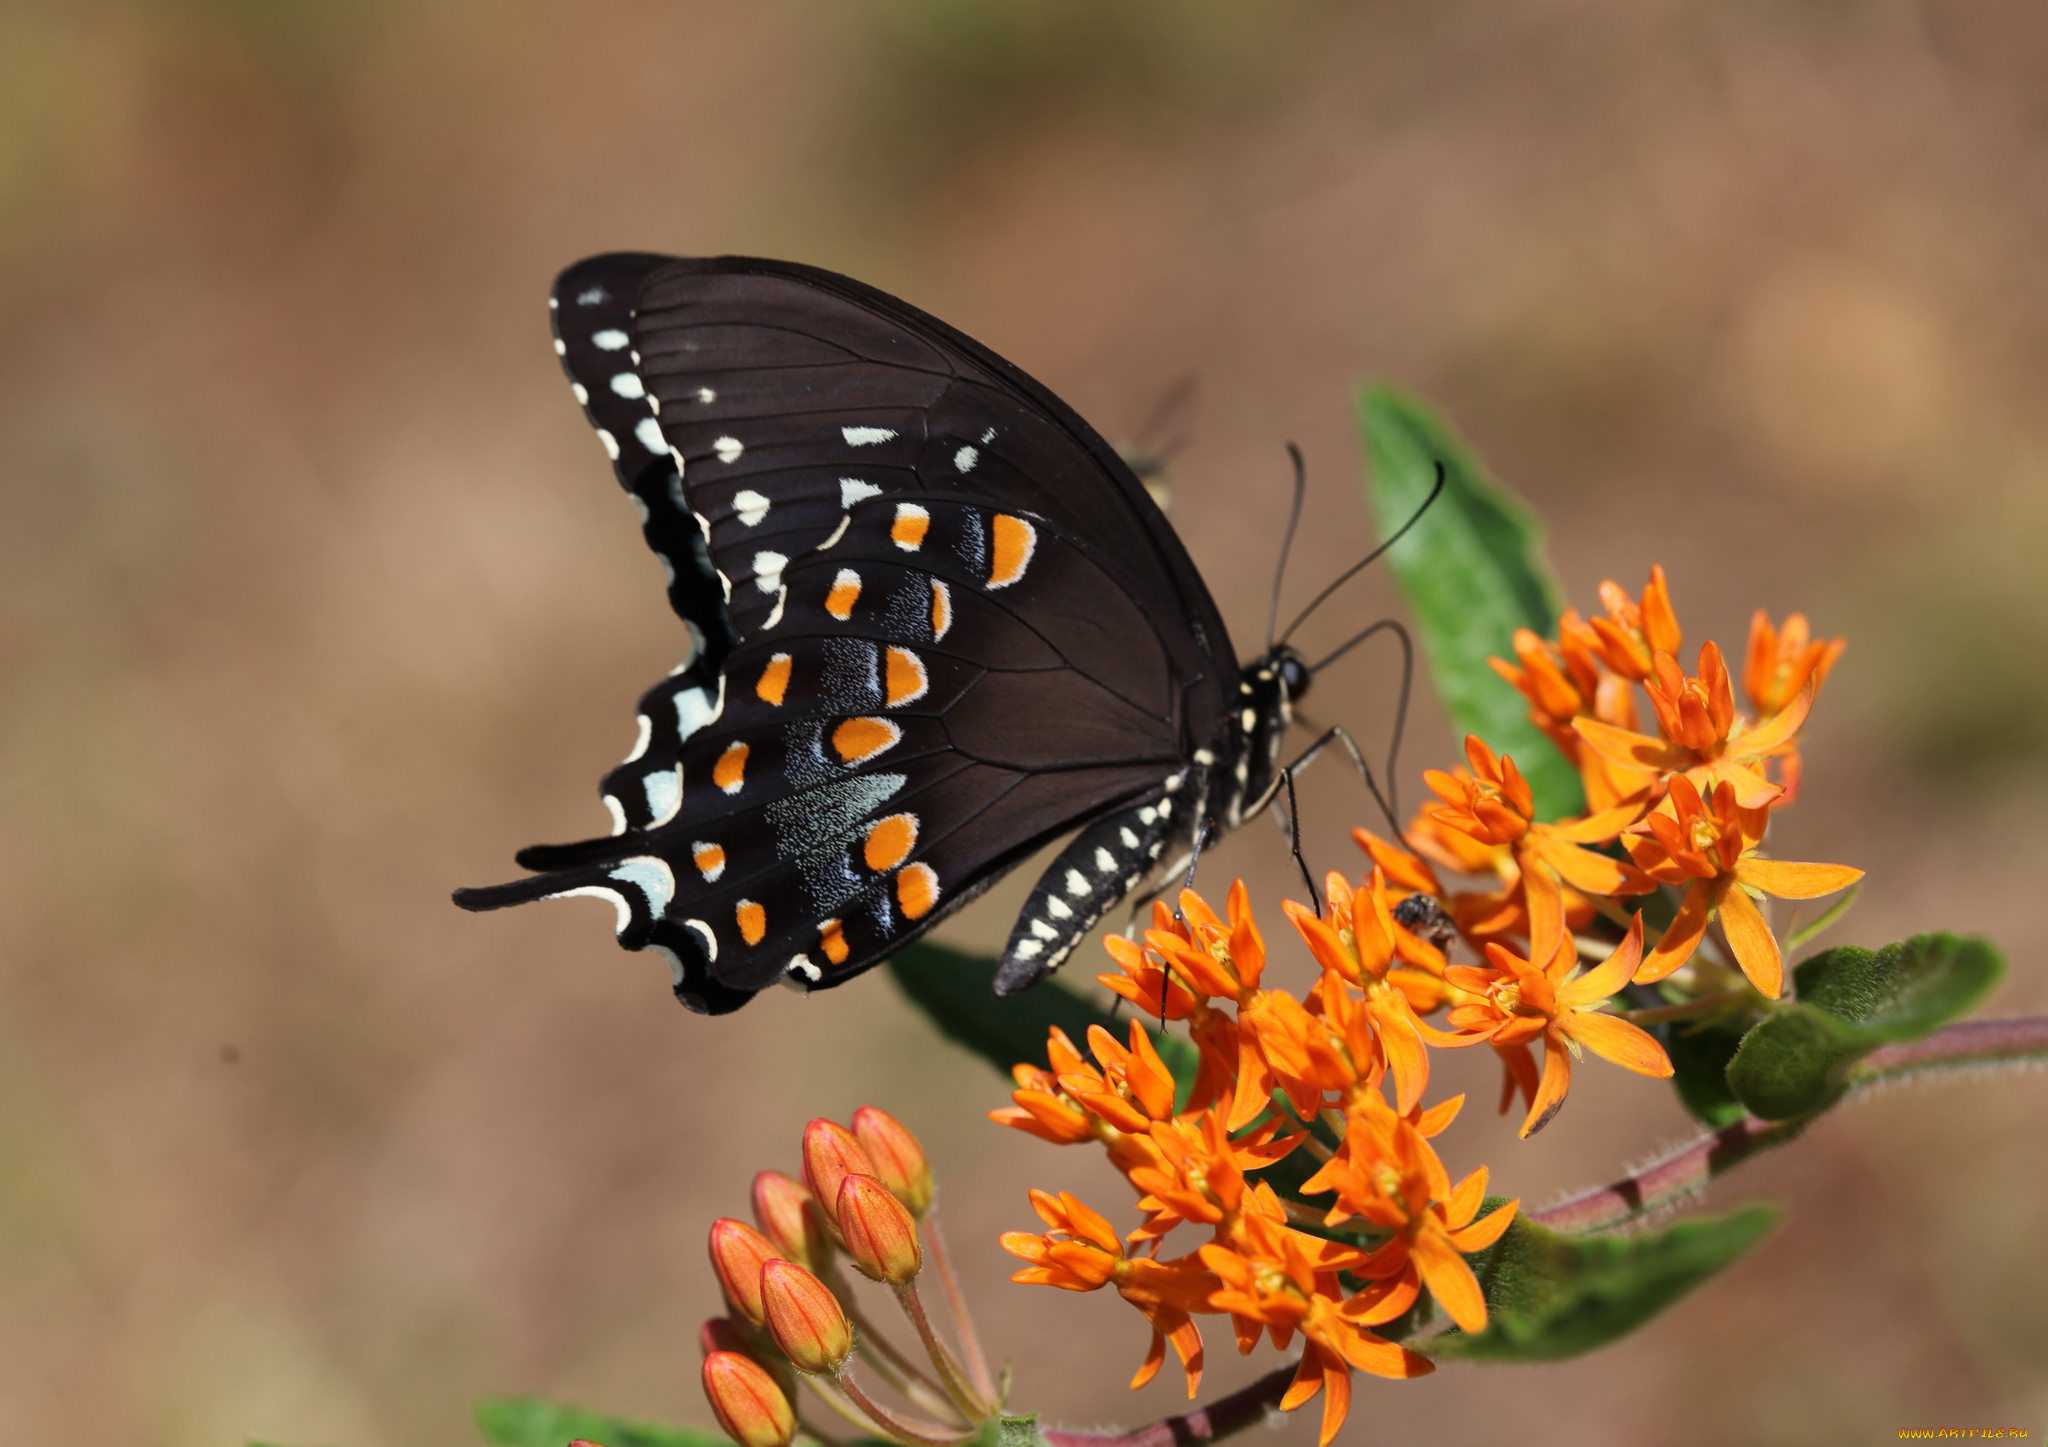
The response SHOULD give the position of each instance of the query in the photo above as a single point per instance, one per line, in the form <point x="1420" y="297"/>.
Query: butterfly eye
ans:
<point x="1294" y="674"/>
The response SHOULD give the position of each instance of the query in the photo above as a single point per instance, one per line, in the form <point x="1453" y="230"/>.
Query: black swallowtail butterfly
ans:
<point x="936" y="623"/>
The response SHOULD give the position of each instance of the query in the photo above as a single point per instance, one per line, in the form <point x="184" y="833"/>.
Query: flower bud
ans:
<point x="899" y="1159"/>
<point x="751" y="1408"/>
<point x="880" y="1233"/>
<point x="738" y="1252"/>
<point x="805" y="1318"/>
<point x="830" y="1152"/>
<point x="730" y="1334"/>
<point x="788" y="1216"/>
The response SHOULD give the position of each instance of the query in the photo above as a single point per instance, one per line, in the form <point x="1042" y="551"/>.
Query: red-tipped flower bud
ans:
<point x="880" y="1233"/>
<point x="830" y="1153"/>
<point x="805" y="1318"/>
<point x="729" y="1334"/>
<point x="788" y="1216"/>
<point x="899" y="1159"/>
<point x="751" y="1408"/>
<point x="738" y="1252"/>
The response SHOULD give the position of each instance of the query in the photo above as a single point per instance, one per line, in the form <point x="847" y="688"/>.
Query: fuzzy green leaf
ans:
<point x="1850" y="1001"/>
<point x="953" y="988"/>
<point x="1473" y="571"/>
<point x="531" y="1422"/>
<point x="1550" y="1296"/>
<point x="1699" y="1061"/>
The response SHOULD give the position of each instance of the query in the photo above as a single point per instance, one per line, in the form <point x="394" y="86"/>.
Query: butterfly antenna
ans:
<point x="1286" y="541"/>
<point x="1349" y="573"/>
<point x="1395" y="627"/>
<point x="1294" y="839"/>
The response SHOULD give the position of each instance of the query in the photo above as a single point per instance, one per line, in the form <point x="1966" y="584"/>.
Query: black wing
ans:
<point x="961" y="627"/>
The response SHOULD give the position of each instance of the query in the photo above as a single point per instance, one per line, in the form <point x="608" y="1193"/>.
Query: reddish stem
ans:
<point x="1220" y="1418"/>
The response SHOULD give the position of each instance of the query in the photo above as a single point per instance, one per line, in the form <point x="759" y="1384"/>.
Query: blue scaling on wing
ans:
<point x="942" y="625"/>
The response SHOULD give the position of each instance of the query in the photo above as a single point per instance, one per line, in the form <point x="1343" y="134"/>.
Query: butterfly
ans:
<point x="935" y="623"/>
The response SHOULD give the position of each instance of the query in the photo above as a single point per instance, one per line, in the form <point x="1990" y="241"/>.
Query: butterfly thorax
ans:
<point x="1266" y="693"/>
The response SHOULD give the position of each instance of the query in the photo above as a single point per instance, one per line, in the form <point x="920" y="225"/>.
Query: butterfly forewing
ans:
<point x="942" y="623"/>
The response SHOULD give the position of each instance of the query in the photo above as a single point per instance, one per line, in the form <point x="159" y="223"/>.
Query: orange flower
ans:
<point x="1356" y="942"/>
<point x="1278" y="1280"/>
<point x="1712" y="852"/>
<point x="1387" y="1174"/>
<point x="1082" y="1252"/>
<point x="1513" y="1002"/>
<point x="1630" y="637"/>
<point x="1495" y="807"/>
<point x="1703" y="737"/>
<point x="1780" y="662"/>
<point x="1195" y="1171"/>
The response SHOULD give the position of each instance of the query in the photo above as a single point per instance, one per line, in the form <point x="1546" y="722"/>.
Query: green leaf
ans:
<point x="1550" y="1296"/>
<point x="1473" y="571"/>
<point x="1850" y="1001"/>
<point x="1699" y="1060"/>
<point x="531" y="1422"/>
<point x="953" y="988"/>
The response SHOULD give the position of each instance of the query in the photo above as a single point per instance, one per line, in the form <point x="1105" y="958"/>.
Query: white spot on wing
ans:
<point x="768" y="565"/>
<point x="598" y="891"/>
<point x="988" y="437"/>
<point x="749" y="507"/>
<point x="618" y="813"/>
<point x="652" y="877"/>
<point x="590" y="297"/>
<point x="649" y="432"/>
<point x="705" y="394"/>
<point x="1077" y="884"/>
<point x="693" y="711"/>
<point x="837" y="533"/>
<point x="582" y="396"/>
<point x="561" y="347"/>
<point x="704" y="932"/>
<point x="664" y="795"/>
<point x="965" y="458"/>
<point x="611" y="444"/>
<point x="866" y="436"/>
<point x="611" y="339"/>
<point x="852" y="490"/>
<point x="728" y="449"/>
<point x="1043" y="930"/>
<point x="640" y="744"/>
<point x="1058" y="908"/>
<point x="628" y="385"/>
<point x="775" y="614"/>
<point x="1105" y="861"/>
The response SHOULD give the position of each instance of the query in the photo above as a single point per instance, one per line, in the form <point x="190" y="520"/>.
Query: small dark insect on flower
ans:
<point x="1423" y="917"/>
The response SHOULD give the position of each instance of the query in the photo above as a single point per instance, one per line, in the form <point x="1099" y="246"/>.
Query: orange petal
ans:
<point x="1630" y="749"/>
<point x="1610" y="974"/>
<point x="1681" y="936"/>
<point x="1787" y="880"/>
<point x="1336" y="1401"/>
<point x="1550" y="1092"/>
<point x="1777" y="730"/>
<point x="1593" y="873"/>
<point x="1466" y="1197"/>
<point x="1756" y="948"/>
<point x="1487" y="1229"/>
<point x="1612" y="1038"/>
<point x="1308" y="1379"/>
<point x="1450" y="1280"/>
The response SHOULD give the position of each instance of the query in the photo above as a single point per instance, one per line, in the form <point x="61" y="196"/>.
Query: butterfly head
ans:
<point x="1267" y="690"/>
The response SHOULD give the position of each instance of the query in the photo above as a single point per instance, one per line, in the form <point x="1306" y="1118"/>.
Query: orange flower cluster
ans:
<point x="1686" y="806"/>
<point x="1330" y="1057"/>
<point x="1340" y="1072"/>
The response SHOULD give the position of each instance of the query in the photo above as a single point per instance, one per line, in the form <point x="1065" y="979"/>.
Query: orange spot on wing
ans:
<point x="752" y="920"/>
<point x="709" y="859"/>
<point x="834" y="939"/>
<point x="904" y="677"/>
<point x="942" y="610"/>
<point x="917" y="890"/>
<point x="774" y="680"/>
<point x="845" y="593"/>
<point x="731" y="769"/>
<point x="889" y="842"/>
<point x="1015" y="541"/>
<point x="908" y="531"/>
<point x="859" y="739"/>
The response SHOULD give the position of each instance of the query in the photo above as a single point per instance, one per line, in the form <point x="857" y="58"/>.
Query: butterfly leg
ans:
<point x="1105" y="863"/>
<point x="1338" y="734"/>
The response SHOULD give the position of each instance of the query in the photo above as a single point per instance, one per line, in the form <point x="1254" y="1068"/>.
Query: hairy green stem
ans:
<point x="1971" y="1045"/>
<point x="1243" y="1408"/>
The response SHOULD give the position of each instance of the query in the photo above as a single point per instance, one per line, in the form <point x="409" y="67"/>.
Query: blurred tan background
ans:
<point x="316" y="601"/>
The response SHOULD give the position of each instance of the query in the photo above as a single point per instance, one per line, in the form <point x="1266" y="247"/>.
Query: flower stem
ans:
<point x="898" y="1370"/>
<point x="1971" y="1045"/>
<point x="1686" y="1009"/>
<point x="966" y="1399"/>
<point x="956" y="1302"/>
<point x="905" y="1429"/>
<point x="1241" y="1409"/>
